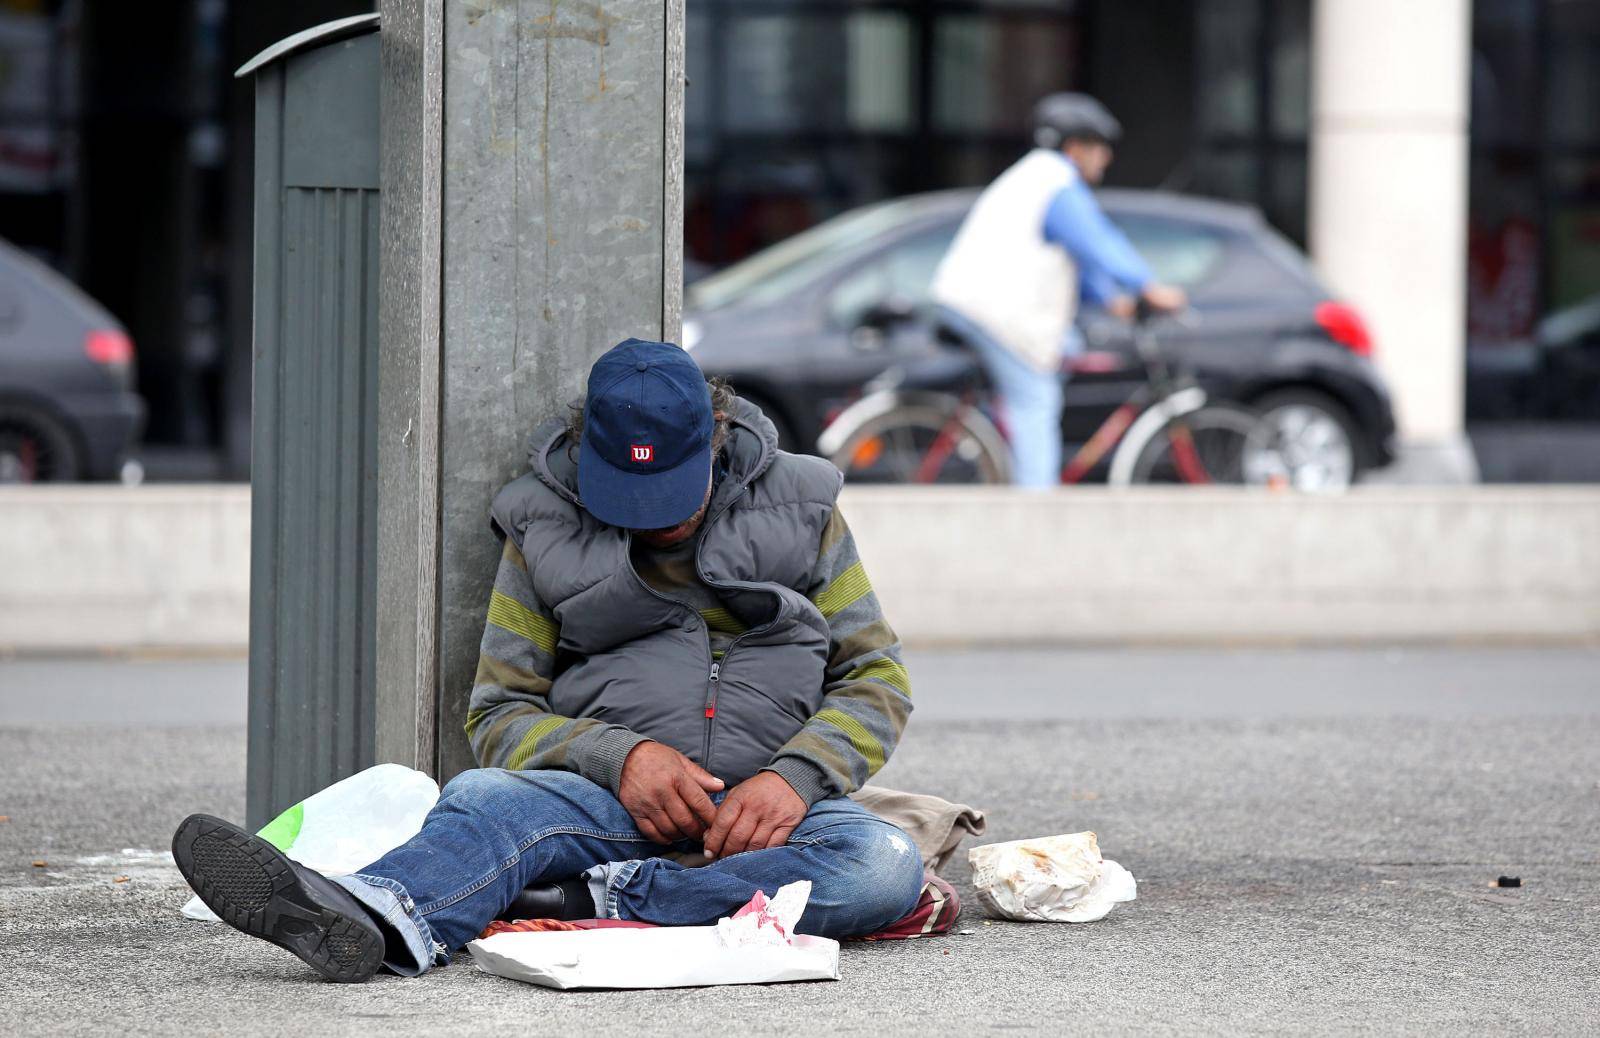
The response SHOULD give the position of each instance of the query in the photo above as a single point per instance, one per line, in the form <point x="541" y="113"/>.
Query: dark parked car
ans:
<point x="796" y="326"/>
<point x="67" y="406"/>
<point x="1553" y="374"/>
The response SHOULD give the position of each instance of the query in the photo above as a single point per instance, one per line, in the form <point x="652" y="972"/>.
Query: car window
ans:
<point x="904" y="271"/>
<point x="1179" y="253"/>
<point x="1573" y="325"/>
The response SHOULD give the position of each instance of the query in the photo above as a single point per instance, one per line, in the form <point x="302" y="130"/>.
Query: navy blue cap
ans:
<point x="644" y="461"/>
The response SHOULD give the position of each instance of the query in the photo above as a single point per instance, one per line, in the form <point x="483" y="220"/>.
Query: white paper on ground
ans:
<point x="1056" y="879"/>
<point x="755" y="945"/>
<point x="350" y="824"/>
<point x="663" y="957"/>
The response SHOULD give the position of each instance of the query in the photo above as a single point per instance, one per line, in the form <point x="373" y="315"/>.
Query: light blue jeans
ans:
<point x="1030" y="402"/>
<point x="493" y="832"/>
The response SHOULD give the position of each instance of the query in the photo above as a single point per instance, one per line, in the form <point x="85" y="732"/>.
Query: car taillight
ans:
<point x="1345" y="327"/>
<point x="105" y="346"/>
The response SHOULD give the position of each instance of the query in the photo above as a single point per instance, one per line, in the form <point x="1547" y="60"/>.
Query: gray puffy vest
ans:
<point x="633" y="657"/>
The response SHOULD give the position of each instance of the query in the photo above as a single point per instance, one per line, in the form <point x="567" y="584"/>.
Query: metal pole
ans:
<point x="532" y="217"/>
<point x="412" y="41"/>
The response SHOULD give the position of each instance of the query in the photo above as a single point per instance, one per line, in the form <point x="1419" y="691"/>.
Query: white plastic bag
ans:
<point x="1055" y="879"/>
<point x="756" y="945"/>
<point x="348" y="825"/>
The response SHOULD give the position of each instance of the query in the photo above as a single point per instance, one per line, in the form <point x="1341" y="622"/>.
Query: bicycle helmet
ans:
<point x="1058" y="118"/>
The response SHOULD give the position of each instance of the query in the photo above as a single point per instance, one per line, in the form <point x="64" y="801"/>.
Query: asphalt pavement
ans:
<point x="1316" y="834"/>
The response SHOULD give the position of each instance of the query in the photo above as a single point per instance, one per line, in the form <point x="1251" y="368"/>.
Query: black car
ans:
<point x="67" y="406"/>
<point x="1552" y="374"/>
<point x="796" y="327"/>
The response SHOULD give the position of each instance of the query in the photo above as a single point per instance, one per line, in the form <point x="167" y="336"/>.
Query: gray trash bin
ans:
<point x="314" y="416"/>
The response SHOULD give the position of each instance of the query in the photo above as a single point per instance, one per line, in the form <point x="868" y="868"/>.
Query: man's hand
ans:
<point x="665" y="792"/>
<point x="761" y="812"/>
<point x="1164" y="298"/>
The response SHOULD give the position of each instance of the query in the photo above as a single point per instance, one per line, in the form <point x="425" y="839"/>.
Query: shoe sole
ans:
<point x="254" y="888"/>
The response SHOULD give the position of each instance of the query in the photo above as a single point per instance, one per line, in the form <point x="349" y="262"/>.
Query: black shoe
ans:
<point x="254" y="887"/>
<point x="566" y="900"/>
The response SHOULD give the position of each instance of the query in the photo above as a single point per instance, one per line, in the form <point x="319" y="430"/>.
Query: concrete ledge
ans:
<point x="1181" y="565"/>
<point x="88" y="568"/>
<point x="98" y="567"/>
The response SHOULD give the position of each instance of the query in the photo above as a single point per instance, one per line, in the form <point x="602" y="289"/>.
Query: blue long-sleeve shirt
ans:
<point x="1108" y="264"/>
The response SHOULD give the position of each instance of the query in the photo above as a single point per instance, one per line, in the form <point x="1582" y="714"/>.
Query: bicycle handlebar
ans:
<point x="1144" y="314"/>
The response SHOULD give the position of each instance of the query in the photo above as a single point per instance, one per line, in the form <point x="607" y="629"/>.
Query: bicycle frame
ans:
<point x="1159" y="402"/>
<point x="1162" y="398"/>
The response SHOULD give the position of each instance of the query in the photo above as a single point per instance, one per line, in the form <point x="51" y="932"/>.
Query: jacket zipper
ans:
<point x="711" y="708"/>
<point x="711" y="695"/>
<point x="716" y="666"/>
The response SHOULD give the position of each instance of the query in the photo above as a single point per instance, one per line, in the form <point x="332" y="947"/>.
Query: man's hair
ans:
<point x="722" y="397"/>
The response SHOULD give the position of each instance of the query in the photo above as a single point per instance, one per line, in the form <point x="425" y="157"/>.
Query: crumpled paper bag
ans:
<point x="1052" y="879"/>
<point x="766" y="922"/>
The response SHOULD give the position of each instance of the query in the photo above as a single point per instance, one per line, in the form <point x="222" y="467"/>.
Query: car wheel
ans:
<point x="35" y="447"/>
<point x="1309" y="440"/>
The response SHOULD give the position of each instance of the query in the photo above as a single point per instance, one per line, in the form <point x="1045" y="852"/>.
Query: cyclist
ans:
<point x="1034" y="243"/>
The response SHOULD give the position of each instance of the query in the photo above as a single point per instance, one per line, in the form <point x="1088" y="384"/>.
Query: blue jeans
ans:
<point x="493" y="832"/>
<point x="1030" y="400"/>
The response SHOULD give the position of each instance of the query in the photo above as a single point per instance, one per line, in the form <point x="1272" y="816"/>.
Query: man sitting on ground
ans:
<point x="683" y="656"/>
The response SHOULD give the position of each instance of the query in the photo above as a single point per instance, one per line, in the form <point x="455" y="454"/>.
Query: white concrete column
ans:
<point x="1388" y="204"/>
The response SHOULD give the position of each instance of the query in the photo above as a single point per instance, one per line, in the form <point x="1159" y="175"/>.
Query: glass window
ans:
<point x="1505" y="71"/>
<point x="1232" y="174"/>
<point x="973" y="163"/>
<point x="881" y="72"/>
<point x="1574" y="233"/>
<point x="762" y="191"/>
<point x="1291" y="68"/>
<point x="1063" y="6"/>
<point x="1179" y="253"/>
<point x="903" y="271"/>
<point x="775" y="272"/>
<point x="1285" y="201"/>
<point x="699" y="96"/>
<point x="1254" y="105"/>
<point x="1228" y="34"/>
<point x="1503" y="251"/>
<point x="800" y="109"/>
<point x="988" y="72"/>
<point x="783" y="73"/>
<point x="1573" y="83"/>
<point x="787" y="70"/>
<point x="38" y="78"/>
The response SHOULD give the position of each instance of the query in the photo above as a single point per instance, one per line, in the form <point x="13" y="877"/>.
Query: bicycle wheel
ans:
<point x="922" y="444"/>
<point x="1212" y="445"/>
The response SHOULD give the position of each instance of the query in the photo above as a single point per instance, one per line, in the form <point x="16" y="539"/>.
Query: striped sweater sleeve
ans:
<point x="867" y="697"/>
<point x="509" y="720"/>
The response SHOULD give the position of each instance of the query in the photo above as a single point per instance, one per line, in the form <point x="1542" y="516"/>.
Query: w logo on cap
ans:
<point x="643" y="452"/>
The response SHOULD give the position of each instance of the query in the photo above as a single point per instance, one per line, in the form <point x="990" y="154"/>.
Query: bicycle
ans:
<point x="902" y="431"/>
